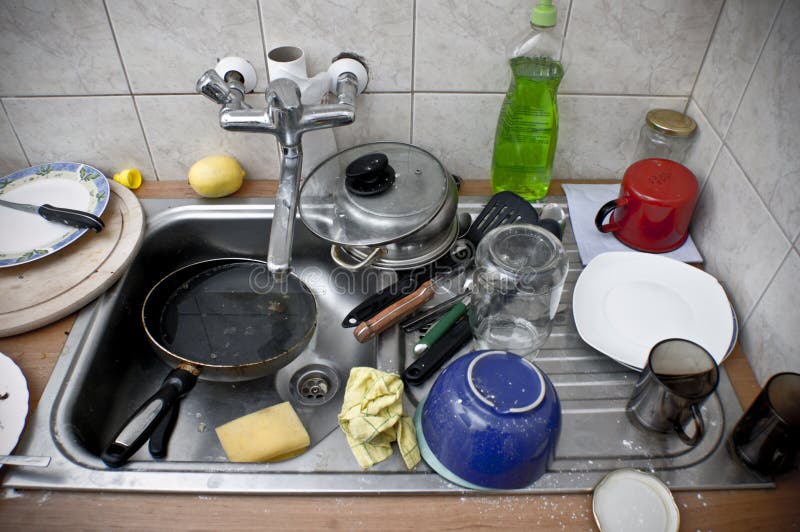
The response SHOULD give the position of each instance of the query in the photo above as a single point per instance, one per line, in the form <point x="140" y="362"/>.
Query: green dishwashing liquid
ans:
<point x="527" y="130"/>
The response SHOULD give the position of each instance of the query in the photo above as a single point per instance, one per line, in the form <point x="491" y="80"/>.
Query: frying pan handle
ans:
<point x="138" y="428"/>
<point x="159" y="439"/>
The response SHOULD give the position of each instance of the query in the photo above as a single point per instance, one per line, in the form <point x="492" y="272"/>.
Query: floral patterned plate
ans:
<point x="25" y="237"/>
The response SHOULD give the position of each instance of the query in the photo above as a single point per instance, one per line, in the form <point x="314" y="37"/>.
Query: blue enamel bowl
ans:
<point x="491" y="420"/>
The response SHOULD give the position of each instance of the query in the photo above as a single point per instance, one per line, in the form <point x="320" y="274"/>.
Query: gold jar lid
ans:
<point x="671" y="122"/>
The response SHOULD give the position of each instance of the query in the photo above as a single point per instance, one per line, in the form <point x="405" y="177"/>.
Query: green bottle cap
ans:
<point x="544" y="15"/>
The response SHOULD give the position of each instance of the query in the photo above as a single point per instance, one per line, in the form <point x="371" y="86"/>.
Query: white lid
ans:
<point x="630" y="500"/>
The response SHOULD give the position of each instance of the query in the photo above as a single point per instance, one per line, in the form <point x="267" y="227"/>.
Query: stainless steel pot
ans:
<point x="385" y="204"/>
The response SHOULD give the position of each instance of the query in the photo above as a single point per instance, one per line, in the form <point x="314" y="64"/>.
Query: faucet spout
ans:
<point x="281" y="233"/>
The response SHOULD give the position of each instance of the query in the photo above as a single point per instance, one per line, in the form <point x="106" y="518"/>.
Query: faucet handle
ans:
<point x="212" y="86"/>
<point x="284" y="94"/>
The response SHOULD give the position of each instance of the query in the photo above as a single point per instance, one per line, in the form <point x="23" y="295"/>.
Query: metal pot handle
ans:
<point x="336" y="255"/>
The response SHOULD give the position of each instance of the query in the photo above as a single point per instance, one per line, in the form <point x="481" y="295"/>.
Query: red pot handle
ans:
<point x="604" y="211"/>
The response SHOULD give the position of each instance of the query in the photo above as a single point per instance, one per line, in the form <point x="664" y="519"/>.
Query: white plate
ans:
<point x="25" y="237"/>
<point x="626" y="302"/>
<point x="627" y="500"/>
<point x="14" y="408"/>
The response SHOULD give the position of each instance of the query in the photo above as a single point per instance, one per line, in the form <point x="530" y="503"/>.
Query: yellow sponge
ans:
<point x="268" y="435"/>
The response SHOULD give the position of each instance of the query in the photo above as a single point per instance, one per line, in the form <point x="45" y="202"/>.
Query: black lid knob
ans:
<point x="369" y="175"/>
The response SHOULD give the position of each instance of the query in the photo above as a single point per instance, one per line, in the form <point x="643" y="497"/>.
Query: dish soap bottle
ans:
<point x="527" y="129"/>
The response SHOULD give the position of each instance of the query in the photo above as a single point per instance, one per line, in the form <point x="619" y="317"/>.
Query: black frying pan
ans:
<point x="219" y="320"/>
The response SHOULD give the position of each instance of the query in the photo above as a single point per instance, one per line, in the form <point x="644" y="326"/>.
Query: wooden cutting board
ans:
<point x="40" y="292"/>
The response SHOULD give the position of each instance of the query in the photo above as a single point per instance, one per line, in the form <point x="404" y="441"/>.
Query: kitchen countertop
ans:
<point x="36" y="352"/>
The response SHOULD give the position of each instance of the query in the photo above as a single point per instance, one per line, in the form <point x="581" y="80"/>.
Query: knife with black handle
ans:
<point x="381" y="299"/>
<point x="71" y="217"/>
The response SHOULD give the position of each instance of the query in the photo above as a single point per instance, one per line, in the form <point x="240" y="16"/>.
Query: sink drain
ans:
<point x="315" y="384"/>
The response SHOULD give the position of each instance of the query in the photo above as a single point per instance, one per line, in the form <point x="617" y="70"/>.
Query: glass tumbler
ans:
<point x="519" y="275"/>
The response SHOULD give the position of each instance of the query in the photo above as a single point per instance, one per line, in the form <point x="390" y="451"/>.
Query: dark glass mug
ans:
<point x="680" y="375"/>
<point x="767" y="437"/>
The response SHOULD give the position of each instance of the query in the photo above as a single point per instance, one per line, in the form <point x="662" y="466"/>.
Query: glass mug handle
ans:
<point x="604" y="211"/>
<point x="699" y="428"/>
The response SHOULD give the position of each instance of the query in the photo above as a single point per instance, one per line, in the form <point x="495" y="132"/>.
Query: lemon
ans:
<point x="216" y="176"/>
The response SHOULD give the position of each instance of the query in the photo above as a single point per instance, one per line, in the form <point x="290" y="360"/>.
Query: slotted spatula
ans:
<point x="503" y="208"/>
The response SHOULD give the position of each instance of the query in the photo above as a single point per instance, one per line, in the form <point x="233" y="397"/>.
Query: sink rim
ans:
<point x="223" y="477"/>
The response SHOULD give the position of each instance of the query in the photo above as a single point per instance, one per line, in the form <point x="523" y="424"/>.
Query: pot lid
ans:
<point x="373" y="194"/>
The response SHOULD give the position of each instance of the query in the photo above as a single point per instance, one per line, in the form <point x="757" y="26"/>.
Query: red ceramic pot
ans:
<point x="656" y="203"/>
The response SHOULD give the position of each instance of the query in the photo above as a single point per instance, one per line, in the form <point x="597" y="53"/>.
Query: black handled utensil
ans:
<point x="428" y="317"/>
<point x="71" y="217"/>
<point x="383" y="298"/>
<point x="440" y="352"/>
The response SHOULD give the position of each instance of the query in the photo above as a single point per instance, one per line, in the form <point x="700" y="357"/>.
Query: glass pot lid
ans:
<point x="373" y="194"/>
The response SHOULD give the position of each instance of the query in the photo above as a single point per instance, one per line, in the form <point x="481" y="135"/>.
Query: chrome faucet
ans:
<point x="286" y="118"/>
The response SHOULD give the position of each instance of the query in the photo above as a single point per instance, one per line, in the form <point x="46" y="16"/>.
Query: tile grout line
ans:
<point x="752" y="73"/>
<point x="710" y="176"/>
<point x="744" y="319"/>
<point x="719" y="148"/>
<point x="566" y="29"/>
<point x="724" y="137"/>
<point x="705" y="54"/>
<point x="14" y="131"/>
<point x="385" y="92"/>
<point x="261" y="31"/>
<point x="413" y="70"/>
<point x="771" y="217"/>
<point x="758" y="195"/>
<point x="130" y="90"/>
<point x="261" y="24"/>
<point x="766" y="287"/>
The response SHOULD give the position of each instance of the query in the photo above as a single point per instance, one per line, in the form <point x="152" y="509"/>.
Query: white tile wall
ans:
<point x="378" y="117"/>
<point x="12" y="157"/>
<point x="461" y="46"/>
<point x="741" y="31"/>
<point x="598" y="134"/>
<point x="649" y="47"/>
<point x="749" y="213"/>
<point x="765" y="133"/>
<point x="101" y="131"/>
<point x="57" y="48"/>
<point x="382" y="32"/>
<point x="770" y="336"/>
<point x="742" y="244"/>
<point x="165" y="46"/>
<point x="458" y="129"/>
<point x="427" y="59"/>
<point x="178" y="132"/>
<point x="705" y="145"/>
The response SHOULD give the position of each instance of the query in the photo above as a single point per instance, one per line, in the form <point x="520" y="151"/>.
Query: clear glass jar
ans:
<point x="666" y="134"/>
<point x="519" y="275"/>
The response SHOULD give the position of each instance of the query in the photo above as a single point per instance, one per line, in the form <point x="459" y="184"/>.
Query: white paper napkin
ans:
<point x="584" y="201"/>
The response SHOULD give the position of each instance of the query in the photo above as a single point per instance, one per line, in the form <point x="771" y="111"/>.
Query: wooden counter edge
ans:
<point x="36" y="352"/>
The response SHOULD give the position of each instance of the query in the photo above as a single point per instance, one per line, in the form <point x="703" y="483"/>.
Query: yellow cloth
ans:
<point x="372" y="418"/>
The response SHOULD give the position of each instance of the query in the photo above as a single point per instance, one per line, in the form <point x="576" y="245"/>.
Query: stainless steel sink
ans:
<point x="107" y="369"/>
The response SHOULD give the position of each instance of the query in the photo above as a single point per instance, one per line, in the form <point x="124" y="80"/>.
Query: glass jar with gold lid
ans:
<point x="666" y="134"/>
